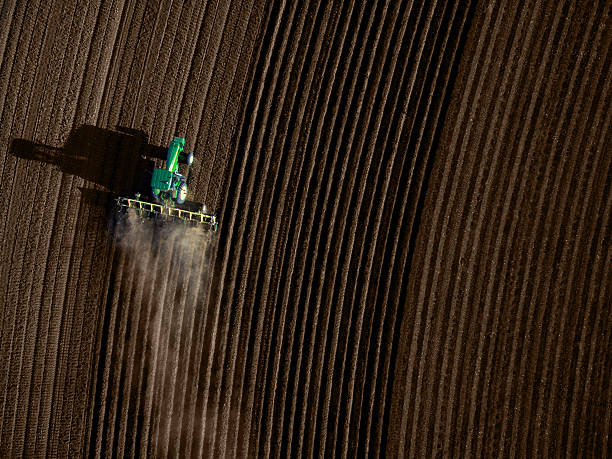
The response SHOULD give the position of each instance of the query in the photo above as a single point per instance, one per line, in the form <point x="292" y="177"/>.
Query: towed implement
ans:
<point x="168" y="193"/>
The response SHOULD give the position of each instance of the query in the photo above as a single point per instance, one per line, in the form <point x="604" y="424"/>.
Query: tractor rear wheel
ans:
<point x="181" y="194"/>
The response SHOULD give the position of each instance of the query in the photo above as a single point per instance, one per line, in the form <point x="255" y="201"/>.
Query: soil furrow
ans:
<point x="575" y="257"/>
<point x="266" y="230"/>
<point x="522" y="142"/>
<point x="422" y="97"/>
<point x="8" y="78"/>
<point x="530" y="254"/>
<point x="414" y="212"/>
<point x="189" y="345"/>
<point x="144" y="343"/>
<point x="69" y="111"/>
<point x="148" y="46"/>
<point x="565" y="174"/>
<point x="321" y="140"/>
<point x="14" y="293"/>
<point x="498" y="252"/>
<point x="335" y="173"/>
<point x="119" y="38"/>
<point x="493" y="177"/>
<point x="297" y="141"/>
<point x="211" y="50"/>
<point x="436" y="103"/>
<point x="46" y="128"/>
<point x="282" y="194"/>
<point x="169" y="118"/>
<point x="260" y="284"/>
<point x="196" y="67"/>
<point x="162" y="309"/>
<point x="219" y="103"/>
<point x="6" y="21"/>
<point x="107" y="345"/>
<point x="258" y="216"/>
<point x="169" y="36"/>
<point x="264" y="111"/>
<point x="118" y="362"/>
<point x="396" y="124"/>
<point x="14" y="172"/>
<point x="357" y="232"/>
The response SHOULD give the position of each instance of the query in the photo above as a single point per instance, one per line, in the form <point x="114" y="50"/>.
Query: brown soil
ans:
<point x="413" y="256"/>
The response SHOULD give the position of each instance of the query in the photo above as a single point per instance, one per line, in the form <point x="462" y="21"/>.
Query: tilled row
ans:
<point x="412" y="258"/>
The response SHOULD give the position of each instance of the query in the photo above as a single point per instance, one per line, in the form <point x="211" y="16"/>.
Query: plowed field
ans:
<point x="413" y="256"/>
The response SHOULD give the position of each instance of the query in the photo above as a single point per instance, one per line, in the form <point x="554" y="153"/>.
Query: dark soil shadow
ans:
<point x="119" y="161"/>
<point x="113" y="159"/>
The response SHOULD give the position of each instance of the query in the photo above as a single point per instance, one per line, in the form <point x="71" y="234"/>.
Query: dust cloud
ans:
<point x="168" y="267"/>
<point x="134" y="234"/>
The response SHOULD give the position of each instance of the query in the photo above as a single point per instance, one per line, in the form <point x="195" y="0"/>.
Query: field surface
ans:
<point x="413" y="256"/>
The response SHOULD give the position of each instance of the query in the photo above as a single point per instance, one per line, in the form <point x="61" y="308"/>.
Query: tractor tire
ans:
<point x="181" y="193"/>
<point x="185" y="158"/>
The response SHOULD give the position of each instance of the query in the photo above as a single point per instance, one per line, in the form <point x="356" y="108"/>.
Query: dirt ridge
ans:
<point x="415" y="212"/>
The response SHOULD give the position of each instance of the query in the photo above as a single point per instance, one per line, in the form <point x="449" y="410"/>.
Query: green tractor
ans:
<point x="169" y="193"/>
<point x="168" y="184"/>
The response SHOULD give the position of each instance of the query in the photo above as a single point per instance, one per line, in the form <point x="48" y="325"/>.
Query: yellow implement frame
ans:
<point x="149" y="209"/>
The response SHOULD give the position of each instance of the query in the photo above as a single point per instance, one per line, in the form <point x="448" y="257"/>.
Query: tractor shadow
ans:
<point x="120" y="161"/>
<point x="112" y="162"/>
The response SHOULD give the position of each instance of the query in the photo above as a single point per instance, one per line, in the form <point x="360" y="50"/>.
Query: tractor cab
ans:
<point x="169" y="183"/>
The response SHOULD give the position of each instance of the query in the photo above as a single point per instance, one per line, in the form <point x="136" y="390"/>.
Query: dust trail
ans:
<point x="172" y="269"/>
<point x="131" y="232"/>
